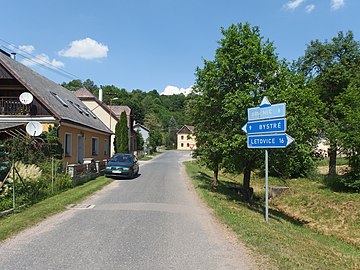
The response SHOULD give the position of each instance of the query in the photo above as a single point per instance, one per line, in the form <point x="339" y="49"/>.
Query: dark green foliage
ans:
<point x="330" y="67"/>
<point x="240" y="75"/>
<point x="122" y="135"/>
<point x="40" y="151"/>
<point x="348" y="109"/>
<point x="173" y="128"/>
<point x="4" y="162"/>
<point x="246" y="69"/>
<point x="53" y="146"/>
<point x="73" y="85"/>
<point x="139" y="140"/>
<point x="29" y="150"/>
<point x="155" y="139"/>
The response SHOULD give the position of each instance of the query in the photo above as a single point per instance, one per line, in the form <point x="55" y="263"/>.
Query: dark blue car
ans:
<point x="122" y="165"/>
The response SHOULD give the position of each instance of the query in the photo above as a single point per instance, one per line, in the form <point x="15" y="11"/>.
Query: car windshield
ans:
<point x="122" y="158"/>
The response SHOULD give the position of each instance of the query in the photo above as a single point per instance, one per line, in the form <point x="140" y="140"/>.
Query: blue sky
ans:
<point x="157" y="44"/>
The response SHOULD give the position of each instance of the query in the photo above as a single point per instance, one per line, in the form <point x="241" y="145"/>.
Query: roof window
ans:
<point x="59" y="99"/>
<point x="90" y="112"/>
<point x="76" y="106"/>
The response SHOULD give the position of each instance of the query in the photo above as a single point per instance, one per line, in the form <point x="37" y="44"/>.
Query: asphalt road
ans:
<point x="154" y="221"/>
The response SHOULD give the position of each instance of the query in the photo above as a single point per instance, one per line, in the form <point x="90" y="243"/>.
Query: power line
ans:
<point x="38" y="61"/>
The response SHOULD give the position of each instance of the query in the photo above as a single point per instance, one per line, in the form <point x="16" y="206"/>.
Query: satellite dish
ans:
<point x="26" y="98"/>
<point x="34" y="128"/>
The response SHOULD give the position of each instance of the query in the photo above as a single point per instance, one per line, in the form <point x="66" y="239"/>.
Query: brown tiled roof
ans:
<point x="117" y="110"/>
<point x="186" y="129"/>
<point x="83" y="93"/>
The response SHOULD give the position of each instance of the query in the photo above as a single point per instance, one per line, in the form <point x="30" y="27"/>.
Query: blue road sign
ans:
<point x="267" y="112"/>
<point x="265" y="126"/>
<point x="280" y="140"/>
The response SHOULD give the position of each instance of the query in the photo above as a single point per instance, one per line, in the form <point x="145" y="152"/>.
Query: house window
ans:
<point x="94" y="146"/>
<point x="182" y="145"/>
<point x="106" y="147"/>
<point x="67" y="144"/>
<point x="188" y="144"/>
<point x="182" y="137"/>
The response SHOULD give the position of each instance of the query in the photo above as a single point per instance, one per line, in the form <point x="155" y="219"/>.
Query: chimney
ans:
<point x="13" y="55"/>
<point x="100" y="94"/>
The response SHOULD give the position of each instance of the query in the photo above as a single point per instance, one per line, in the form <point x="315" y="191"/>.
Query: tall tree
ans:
<point x="348" y="107"/>
<point x="72" y="85"/>
<point x="172" y="130"/>
<point x="243" y="71"/>
<point x="90" y="85"/>
<point x="122" y="135"/>
<point x="329" y="67"/>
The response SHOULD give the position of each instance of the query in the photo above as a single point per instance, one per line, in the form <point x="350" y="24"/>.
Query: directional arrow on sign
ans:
<point x="265" y="126"/>
<point x="281" y="140"/>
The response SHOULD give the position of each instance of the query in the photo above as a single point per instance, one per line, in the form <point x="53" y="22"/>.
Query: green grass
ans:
<point x="339" y="161"/>
<point x="14" y="223"/>
<point x="287" y="240"/>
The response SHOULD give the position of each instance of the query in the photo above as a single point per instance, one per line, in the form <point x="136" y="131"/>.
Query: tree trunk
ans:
<point x="246" y="189"/>
<point x="332" y="159"/>
<point x="215" y="181"/>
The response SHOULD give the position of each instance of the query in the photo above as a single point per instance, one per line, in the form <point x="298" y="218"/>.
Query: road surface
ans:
<point x="154" y="221"/>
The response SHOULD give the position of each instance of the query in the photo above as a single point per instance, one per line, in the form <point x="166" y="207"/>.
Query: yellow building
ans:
<point x="185" y="138"/>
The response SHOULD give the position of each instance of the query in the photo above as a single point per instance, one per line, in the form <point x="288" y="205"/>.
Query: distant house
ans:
<point x="109" y="115"/>
<point x="185" y="138"/>
<point x="144" y="131"/>
<point x="82" y="134"/>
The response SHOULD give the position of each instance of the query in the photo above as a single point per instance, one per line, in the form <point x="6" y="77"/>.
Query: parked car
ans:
<point x="122" y="165"/>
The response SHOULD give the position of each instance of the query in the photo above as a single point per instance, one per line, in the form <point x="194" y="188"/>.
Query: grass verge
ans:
<point x="14" y="223"/>
<point x="286" y="240"/>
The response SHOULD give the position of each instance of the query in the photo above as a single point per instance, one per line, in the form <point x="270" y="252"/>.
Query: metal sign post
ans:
<point x="265" y="130"/>
<point x="266" y="185"/>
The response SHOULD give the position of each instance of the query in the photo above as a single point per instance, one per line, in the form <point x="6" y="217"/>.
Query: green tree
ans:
<point x="52" y="146"/>
<point x="348" y="107"/>
<point x="155" y="139"/>
<point x="90" y="85"/>
<point x="329" y="67"/>
<point x="72" y="85"/>
<point x="122" y="135"/>
<point x="245" y="69"/>
<point x="139" y="140"/>
<point x="152" y="122"/>
<point x="304" y="120"/>
<point x="172" y="130"/>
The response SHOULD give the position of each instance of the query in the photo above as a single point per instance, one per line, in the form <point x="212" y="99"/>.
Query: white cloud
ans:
<point x="85" y="48"/>
<point x="294" y="4"/>
<point x="42" y="59"/>
<point x="310" y="8"/>
<point x="173" y="90"/>
<point x="336" y="4"/>
<point x="27" y="48"/>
